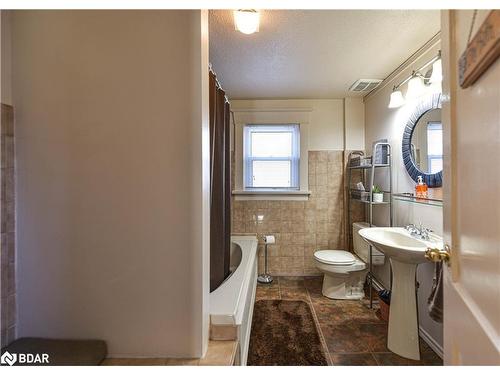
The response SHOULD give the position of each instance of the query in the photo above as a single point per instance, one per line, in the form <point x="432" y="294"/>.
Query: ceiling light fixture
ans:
<point x="246" y="20"/>
<point x="397" y="99"/>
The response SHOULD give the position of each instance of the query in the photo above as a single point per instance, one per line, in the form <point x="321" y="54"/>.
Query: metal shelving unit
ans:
<point x="368" y="175"/>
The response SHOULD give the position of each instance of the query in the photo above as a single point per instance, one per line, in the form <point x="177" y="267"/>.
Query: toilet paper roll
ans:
<point x="269" y="239"/>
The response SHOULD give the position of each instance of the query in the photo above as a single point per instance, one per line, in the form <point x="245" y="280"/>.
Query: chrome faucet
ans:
<point x="419" y="232"/>
<point x="411" y="228"/>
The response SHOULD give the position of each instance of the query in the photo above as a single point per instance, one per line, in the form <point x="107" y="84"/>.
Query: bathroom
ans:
<point x="330" y="129"/>
<point x="279" y="233"/>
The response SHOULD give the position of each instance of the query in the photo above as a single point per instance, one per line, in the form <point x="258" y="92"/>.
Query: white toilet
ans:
<point x="345" y="272"/>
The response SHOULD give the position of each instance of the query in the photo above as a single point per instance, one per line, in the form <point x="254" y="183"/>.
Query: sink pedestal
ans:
<point x="405" y="253"/>
<point x="402" y="337"/>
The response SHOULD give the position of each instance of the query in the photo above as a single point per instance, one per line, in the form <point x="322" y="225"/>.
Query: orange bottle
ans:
<point x="421" y="188"/>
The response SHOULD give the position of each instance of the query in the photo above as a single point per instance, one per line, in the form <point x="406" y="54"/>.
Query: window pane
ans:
<point x="436" y="165"/>
<point x="267" y="144"/>
<point x="271" y="173"/>
<point x="435" y="139"/>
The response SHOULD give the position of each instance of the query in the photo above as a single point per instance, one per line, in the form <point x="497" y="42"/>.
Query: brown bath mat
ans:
<point x="284" y="333"/>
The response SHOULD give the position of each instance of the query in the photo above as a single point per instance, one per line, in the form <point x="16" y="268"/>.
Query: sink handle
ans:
<point x="437" y="255"/>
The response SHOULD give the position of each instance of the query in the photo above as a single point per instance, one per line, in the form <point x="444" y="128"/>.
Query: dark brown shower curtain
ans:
<point x="220" y="185"/>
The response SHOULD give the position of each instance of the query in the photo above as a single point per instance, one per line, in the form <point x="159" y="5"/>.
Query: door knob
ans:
<point x="437" y="255"/>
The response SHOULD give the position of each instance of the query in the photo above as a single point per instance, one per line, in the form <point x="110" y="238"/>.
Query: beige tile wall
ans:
<point x="300" y="227"/>
<point x="7" y="250"/>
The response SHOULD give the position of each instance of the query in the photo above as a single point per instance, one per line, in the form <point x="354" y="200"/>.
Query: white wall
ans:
<point x="383" y="122"/>
<point x="112" y="157"/>
<point x="325" y="118"/>
<point x="354" y="126"/>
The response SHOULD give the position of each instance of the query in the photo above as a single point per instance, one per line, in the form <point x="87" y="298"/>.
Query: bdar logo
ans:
<point x="8" y="359"/>
<point x="24" y="358"/>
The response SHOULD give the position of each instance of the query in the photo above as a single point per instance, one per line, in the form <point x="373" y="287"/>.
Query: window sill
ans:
<point x="297" y="195"/>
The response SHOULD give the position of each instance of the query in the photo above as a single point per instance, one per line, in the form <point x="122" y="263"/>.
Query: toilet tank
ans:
<point x="361" y="247"/>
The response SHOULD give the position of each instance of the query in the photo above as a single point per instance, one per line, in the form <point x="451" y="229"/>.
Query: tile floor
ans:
<point x="360" y="342"/>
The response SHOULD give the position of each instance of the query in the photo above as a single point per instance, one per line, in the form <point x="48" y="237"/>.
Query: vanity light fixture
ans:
<point x="416" y="86"/>
<point x="436" y="87"/>
<point x="437" y="70"/>
<point x="417" y="83"/>
<point x="397" y="99"/>
<point x="246" y="20"/>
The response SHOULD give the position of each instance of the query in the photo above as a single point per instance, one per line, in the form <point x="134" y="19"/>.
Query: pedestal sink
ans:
<point x="405" y="253"/>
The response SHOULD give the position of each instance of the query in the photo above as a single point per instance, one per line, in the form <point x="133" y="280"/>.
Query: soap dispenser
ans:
<point x="421" y="188"/>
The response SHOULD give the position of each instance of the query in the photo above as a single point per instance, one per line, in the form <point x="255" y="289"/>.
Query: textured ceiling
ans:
<point x="314" y="54"/>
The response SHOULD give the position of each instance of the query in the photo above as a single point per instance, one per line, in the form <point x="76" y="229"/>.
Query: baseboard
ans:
<point x="432" y="343"/>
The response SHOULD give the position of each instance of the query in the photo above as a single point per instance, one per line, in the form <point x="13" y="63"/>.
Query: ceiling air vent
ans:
<point x="365" y="85"/>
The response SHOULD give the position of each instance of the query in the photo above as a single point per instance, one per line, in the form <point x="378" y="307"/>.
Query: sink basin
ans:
<point x="398" y="244"/>
<point x="405" y="253"/>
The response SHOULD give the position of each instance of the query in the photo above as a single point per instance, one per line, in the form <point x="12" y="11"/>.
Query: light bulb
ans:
<point x="397" y="99"/>
<point x="437" y="72"/>
<point x="246" y="20"/>
<point x="436" y="88"/>
<point x="416" y="88"/>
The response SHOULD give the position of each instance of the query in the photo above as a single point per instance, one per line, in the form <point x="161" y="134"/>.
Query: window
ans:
<point x="435" y="147"/>
<point x="271" y="156"/>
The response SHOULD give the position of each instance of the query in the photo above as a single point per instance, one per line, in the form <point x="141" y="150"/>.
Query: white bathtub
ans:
<point x="231" y="304"/>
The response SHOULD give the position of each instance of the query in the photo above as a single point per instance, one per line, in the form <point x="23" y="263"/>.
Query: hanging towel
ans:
<point x="435" y="301"/>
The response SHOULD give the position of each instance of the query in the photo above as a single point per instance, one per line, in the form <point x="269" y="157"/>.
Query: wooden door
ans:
<point x="471" y="119"/>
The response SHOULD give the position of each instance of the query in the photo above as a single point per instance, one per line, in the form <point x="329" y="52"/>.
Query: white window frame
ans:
<point x="272" y="116"/>
<point x="294" y="158"/>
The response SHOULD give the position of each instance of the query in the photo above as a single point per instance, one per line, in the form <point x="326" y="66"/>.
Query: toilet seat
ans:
<point x="338" y="261"/>
<point x="335" y="257"/>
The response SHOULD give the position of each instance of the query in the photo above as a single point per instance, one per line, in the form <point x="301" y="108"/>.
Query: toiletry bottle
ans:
<point x="421" y="188"/>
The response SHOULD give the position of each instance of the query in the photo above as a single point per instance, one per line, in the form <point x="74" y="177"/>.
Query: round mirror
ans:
<point x="423" y="142"/>
<point x="427" y="143"/>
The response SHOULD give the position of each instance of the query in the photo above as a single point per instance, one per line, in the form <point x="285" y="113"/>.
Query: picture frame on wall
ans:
<point x="481" y="52"/>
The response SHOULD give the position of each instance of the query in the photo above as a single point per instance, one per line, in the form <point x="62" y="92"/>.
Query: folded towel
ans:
<point x="435" y="301"/>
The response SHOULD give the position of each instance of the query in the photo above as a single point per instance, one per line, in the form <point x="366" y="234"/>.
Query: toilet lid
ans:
<point x="335" y="257"/>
